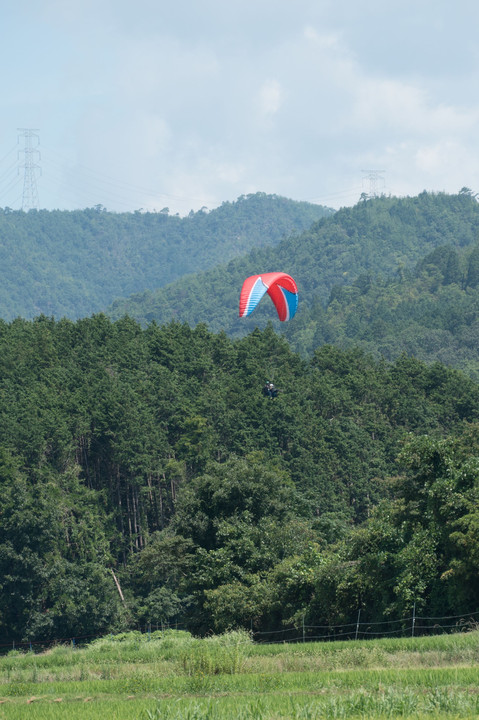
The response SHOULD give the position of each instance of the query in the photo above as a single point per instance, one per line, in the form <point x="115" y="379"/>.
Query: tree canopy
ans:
<point x="150" y="455"/>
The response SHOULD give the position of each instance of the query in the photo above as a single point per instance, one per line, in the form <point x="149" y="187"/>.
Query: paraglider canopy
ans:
<point x="280" y="287"/>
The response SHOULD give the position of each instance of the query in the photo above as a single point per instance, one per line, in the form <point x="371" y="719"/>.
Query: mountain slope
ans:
<point x="75" y="263"/>
<point x="431" y="313"/>
<point x="380" y="236"/>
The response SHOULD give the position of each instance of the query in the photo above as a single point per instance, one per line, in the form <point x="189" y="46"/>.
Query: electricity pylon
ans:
<point x="374" y="177"/>
<point x="30" y="167"/>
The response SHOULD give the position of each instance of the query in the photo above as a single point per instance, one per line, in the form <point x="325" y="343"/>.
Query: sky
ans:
<point x="186" y="104"/>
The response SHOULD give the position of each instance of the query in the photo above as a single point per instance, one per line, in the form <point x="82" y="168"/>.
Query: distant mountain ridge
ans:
<point x="75" y="263"/>
<point x="380" y="236"/>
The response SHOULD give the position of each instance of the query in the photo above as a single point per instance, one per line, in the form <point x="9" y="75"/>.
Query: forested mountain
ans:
<point x="430" y="312"/>
<point x="152" y="454"/>
<point x="73" y="264"/>
<point x="145" y="454"/>
<point x="377" y="237"/>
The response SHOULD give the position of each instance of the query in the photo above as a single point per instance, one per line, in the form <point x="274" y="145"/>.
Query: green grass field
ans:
<point x="173" y="676"/>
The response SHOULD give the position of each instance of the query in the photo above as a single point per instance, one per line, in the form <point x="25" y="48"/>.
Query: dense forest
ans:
<point x="150" y="458"/>
<point x="431" y="312"/>
<point x="145" y="477"/>
<point x="74" y="264"/>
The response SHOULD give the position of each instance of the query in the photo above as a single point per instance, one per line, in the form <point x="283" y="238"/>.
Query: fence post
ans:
<point x="413" y="618"/>
<point x="303" y="627"/>
<point x="357" y="624"/>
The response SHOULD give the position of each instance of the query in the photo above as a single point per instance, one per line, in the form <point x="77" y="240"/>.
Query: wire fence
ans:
<point x="412" y="626"/>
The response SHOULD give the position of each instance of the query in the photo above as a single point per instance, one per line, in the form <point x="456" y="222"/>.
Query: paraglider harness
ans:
<point x="269" y="390"/>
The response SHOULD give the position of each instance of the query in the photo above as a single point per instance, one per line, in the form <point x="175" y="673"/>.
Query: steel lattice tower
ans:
<point x="30" y="167"/>
<point x="374" y="177"/>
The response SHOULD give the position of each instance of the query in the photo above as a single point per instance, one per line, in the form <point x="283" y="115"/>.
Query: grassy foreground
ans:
<point x="173" y="676"/>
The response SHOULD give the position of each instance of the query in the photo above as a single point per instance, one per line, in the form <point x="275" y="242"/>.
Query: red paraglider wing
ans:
<point x="280" y="287"/>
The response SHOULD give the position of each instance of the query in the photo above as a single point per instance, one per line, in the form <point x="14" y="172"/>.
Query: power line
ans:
<point x="88" y="182"/>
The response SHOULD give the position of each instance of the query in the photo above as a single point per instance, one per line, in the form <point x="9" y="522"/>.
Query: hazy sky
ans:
<point x="189" y="103"/>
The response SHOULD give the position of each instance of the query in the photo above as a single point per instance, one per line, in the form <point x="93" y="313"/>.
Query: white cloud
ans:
<point x="270" y="97"/>
<point x="202" y="102"/>
<point x="386" y="103"/>
<point x="445" y="155"/>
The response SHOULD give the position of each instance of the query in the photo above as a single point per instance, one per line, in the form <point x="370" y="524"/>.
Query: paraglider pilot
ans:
<point x="269" y="390"/>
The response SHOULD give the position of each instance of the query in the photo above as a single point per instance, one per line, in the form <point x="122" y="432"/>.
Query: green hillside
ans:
<point x="73" y="264"/>
<point x="382" y="236"/>
<point x="431" y="312"/>
<point x="143" y="457"/>
<point x="151" y="456"/>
